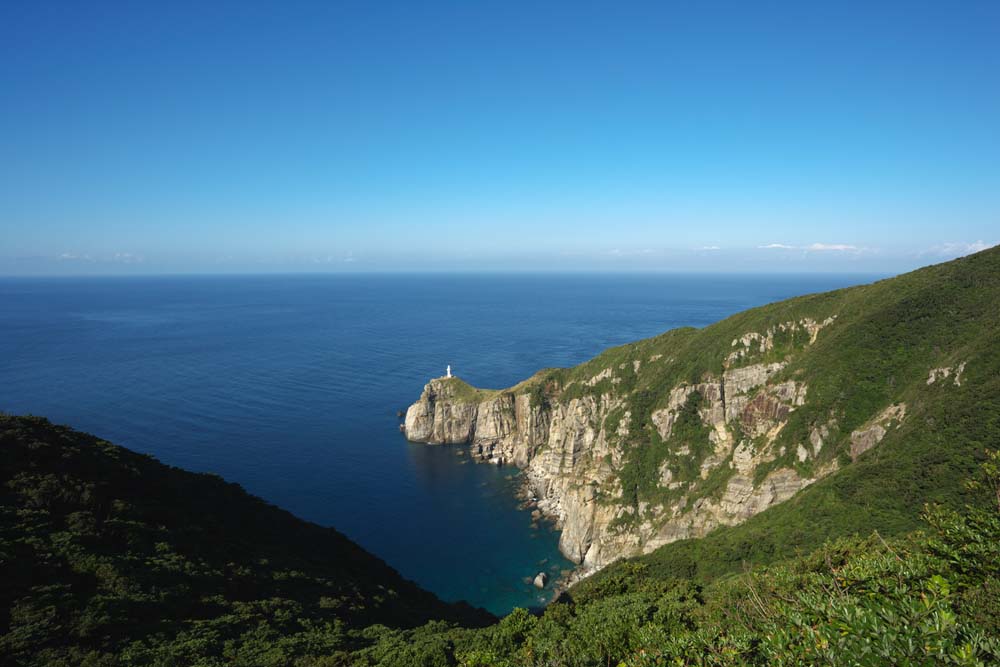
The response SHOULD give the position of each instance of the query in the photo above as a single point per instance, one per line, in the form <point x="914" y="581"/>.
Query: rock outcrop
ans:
<point x="865" y="438"/>
<point x="438" y="417"/>
<point x="946" y="372"/>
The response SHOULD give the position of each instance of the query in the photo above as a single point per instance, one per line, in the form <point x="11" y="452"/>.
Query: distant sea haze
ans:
<point x="290" y="386"/>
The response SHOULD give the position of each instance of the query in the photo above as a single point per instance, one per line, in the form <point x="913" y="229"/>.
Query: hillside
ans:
<point x="860" y="404"/>
<point x="109" y="555"/>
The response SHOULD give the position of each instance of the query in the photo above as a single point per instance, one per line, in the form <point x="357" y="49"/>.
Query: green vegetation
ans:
<point x="109" y="557"/>
<point x="461" y="391"/>
<point x="640" y="476"/>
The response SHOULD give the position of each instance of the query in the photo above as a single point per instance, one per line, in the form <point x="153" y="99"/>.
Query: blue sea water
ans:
<point x="290" y="385"/>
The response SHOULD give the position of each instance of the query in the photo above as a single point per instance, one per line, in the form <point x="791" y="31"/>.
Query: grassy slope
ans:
<point x="103" y="549"/>
<point x="461" y="391"/>
<point x="878" y="352"/>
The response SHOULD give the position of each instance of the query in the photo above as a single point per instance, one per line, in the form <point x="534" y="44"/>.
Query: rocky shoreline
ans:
<point x="542" y="510"/>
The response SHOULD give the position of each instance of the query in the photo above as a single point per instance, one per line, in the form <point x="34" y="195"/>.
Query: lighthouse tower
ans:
<point x="447" y="372"/>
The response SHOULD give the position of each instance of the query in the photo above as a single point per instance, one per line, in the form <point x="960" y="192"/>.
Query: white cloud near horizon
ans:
<point x="833" y="247"/>
<point x="957" y="249"/>
<point x="814" y="247"/>
<point x="618" y="252"/>
<point x="127" y="258"/>
<point x="114" y="258"/>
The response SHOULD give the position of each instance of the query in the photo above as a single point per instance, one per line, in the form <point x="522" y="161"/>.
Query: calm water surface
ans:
<point x="290" y="386"/>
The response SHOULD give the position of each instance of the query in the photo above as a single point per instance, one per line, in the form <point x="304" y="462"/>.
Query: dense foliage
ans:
<point x="108" y="556"/>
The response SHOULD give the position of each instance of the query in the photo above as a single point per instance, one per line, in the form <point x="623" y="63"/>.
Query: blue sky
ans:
<point x="369" y="136"/>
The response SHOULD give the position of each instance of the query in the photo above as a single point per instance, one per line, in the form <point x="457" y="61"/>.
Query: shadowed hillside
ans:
<point x="103" y="550"/>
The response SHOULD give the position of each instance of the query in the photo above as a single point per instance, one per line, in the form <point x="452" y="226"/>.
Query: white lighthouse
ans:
<point x="447" y="372"/>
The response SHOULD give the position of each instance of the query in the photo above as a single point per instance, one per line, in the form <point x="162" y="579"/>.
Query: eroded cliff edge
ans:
<point x="671" y="437"/>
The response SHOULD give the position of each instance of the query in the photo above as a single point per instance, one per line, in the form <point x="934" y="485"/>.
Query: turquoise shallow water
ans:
<point x="290" y="385"/>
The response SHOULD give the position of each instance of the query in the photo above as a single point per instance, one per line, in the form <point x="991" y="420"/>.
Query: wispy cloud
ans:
<point x="127" y="258"/>
<point x="956" y="249"/>
<point x="115" y="258"/>
<point x="618" y="252"/>
<point x="832" y="247"/>
<point x="710" y="247"/>
<point x="349" y="258"/>
<point x="814" y="247"/>
<point x="74" y="257"/>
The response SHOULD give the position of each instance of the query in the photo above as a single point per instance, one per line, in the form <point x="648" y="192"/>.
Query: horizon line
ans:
<point x="445" y="272"/>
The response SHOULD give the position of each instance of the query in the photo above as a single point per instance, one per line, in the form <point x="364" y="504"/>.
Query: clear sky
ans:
<point x="343" y="136"/>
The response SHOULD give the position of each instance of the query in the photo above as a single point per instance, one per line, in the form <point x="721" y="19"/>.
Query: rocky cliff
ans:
<point x="671" y="437"/>
<point x="574" y="447"/>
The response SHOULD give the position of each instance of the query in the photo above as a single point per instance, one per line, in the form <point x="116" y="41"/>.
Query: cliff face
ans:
<point x="668" y="438"/>
<point x="439" y="418"/>
<point x="572" y="453"/>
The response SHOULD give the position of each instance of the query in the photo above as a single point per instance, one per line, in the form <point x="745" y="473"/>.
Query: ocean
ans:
<point x="291" y="385"/>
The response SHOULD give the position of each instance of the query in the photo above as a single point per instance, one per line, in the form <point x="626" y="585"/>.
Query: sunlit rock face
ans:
<point x="574" y="442"/>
